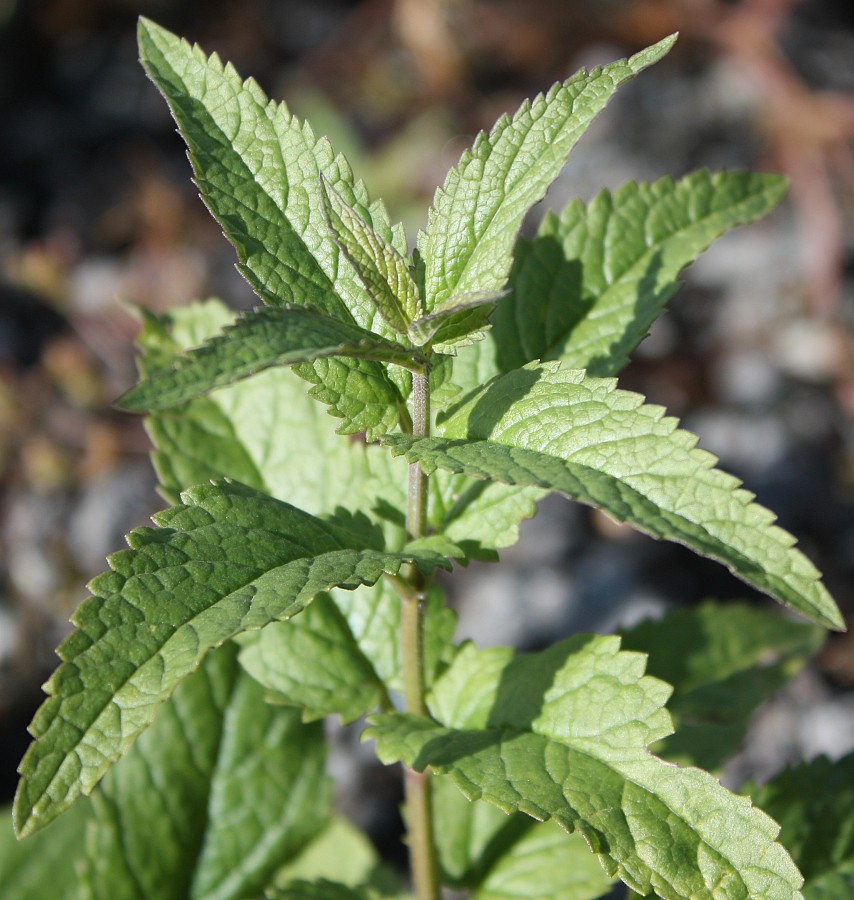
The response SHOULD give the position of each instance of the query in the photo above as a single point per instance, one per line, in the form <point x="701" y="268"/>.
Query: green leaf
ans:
<point x="475" y="216"/>
<point x="341" y="858"/>
<point x="343" y="851"/>
<point x="342" y="655"/>
<point x="557" y="429"/>
<point x="257" y="431"/>
<point x="731" y="659"/>
<point x="546" y="864"/>
<point x="269" y="336"/>
<point x="227" y="561"/>
<point x="212" y="799"/>
<point x="373" y="616"/>
<point x="320" y="890"/>
<point x="383" y="271"/>
<point x="481" y="516"/>
<point x="590" y="284"/>
<point x="504" y="856"/>
<point x="359" y="391"/>
<point x="470" y="835"/>
<point x="257" y="168"/>
<point x="43" y="867"/>
<point x="455" y="320"/>
<point x="201" y="443"/>
<point x="562" y="734"/>
<point x="814" y="804"/>
<point x="269" y="797"/>
<point x="314" y="663"/>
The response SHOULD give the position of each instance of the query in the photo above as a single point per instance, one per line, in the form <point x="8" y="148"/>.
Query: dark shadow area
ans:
<point x="496" y="400"/>
<point x="548" y="303"/>
<point x="526" y="681"/>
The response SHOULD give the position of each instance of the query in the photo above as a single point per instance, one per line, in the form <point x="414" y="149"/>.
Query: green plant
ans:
<point x="297" y="566"/>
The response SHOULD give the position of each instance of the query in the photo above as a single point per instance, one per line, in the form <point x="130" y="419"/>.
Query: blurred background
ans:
<point x="97" y="213"/>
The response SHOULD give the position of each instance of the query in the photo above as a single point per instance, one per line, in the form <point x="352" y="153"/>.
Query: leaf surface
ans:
<point x="341" y="851"/>
<point x="342" y="655"/>
<point x="456" y="322"/>
<point x="500" y="856"/>
<point x="383" y="271"/>
<point x="590" y="284"/>
<point x="359" y="391"/>
<point x="546" y="864"/>
<point x="562" y="734"/>
<point x="44" y="866"/>
<point x="315" y="663"/>
<point x="476" y="214"/>
<point x="479" y="515"/>
<point x="557" y="429"/>
<point x="228" y="560"/>
<point x="256" y="431"/>
<point x="470" y="834"/>
<point x="212" y="799"/>
<point x="814" y="804"/>
<point x="731" y="658"/>
<point x="258" y="170"/>
<point x="269" y="336"/>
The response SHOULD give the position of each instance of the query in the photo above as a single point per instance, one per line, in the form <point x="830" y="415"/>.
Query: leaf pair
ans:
<point x="165" y="784"/>
<point x="562" y="734"/>
<point x="259" y="169"/>
<point x="306" y="234"/>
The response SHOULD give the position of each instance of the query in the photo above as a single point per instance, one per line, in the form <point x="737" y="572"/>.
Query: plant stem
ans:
<point x="416" y="506"/>
<point x="419" y="799"/>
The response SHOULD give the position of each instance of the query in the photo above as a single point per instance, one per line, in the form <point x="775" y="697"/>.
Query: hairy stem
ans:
<point x="419" y="802"/>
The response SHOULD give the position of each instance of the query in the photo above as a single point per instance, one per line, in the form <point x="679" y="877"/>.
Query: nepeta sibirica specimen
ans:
<point x="298" y="566"/>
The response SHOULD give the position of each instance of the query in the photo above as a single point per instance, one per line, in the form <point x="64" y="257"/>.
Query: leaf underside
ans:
<point x="814" y="804"/>
<point x="383" y="271"/>
<point x="732" y="657"/>
<point x="546" y="864"/>
<point x="314" y="663"/>
<point x="344" y="852"/>
<point x="43" y="866"/>
<point x="557" y="429"/>
<point x="225" y="786"/>
<point x="229" y="560"/>
<point x="499" y="857"/>
<point x="562" y="734"/>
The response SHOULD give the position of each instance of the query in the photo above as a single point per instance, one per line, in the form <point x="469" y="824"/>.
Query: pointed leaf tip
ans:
<point x="257" y="168"/>
<point x="477" y="213"/>
<point x="561" y="430"/>
<point x="586" y="289"/>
